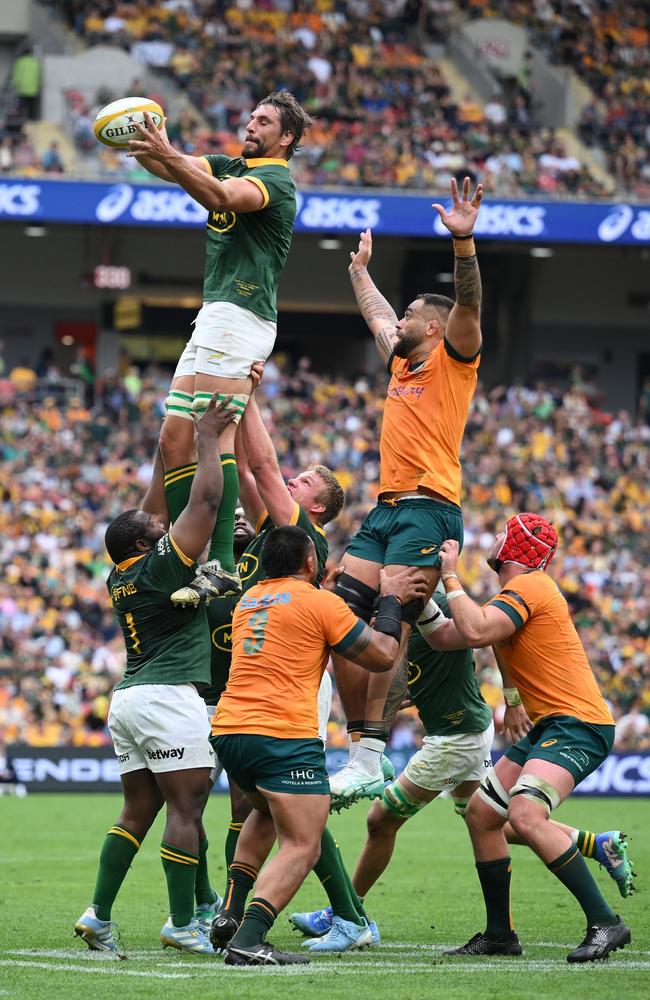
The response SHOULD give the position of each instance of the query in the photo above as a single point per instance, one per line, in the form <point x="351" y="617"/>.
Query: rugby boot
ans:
<point x="600" y="941"/>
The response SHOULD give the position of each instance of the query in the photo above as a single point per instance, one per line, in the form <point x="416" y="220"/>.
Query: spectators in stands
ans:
<point x="69" y="468"/>
<point x="363" y="68"/>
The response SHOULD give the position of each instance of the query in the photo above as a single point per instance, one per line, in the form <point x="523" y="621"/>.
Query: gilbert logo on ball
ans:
<point x="114" y="125"/>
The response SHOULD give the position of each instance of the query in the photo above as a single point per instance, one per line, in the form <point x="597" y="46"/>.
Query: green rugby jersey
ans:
<point x="246" y="252"/>
<point x="164" y="644"/>
<point x="220" y="623"/>
<point x="444" y="687"/>
<point x="250" y="565"/>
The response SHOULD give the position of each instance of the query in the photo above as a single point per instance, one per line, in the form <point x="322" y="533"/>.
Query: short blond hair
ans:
<point x="332" y="495"/>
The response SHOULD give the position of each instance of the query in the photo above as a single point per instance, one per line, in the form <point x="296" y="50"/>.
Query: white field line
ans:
<point x="210" y="970"/>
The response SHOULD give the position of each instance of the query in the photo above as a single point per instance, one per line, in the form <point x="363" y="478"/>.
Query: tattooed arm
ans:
<point x="377" y="312"/>
<point x="463" y="330"/>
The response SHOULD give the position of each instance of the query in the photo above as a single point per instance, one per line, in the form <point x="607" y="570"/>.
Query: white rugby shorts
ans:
<point x="162" y="727"/>
<point x="446" y="761"/>
<point x="225" y="342"/>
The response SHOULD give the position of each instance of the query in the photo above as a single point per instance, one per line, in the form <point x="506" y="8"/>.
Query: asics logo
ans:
<point x="611" y="854"/>
<point x="431" y="548"/>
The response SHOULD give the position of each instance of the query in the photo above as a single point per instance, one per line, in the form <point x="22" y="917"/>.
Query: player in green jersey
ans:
<point x="157" y="718"/>
<point x="251" y="203"/>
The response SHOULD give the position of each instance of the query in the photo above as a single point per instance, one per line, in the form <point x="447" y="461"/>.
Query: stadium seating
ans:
<point x="542" y="448"/>
<point x="386" y="116"/>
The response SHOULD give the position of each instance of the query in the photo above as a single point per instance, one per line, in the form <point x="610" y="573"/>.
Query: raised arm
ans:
<point x="249" y="494"/>
<point x="263" y="464"/>
<point x="375" y="309"/>
<point x="154" y="501"/>
<point x="463" y="330"/>
<point x="192" y="531"/>
<point x="156" y="153"/>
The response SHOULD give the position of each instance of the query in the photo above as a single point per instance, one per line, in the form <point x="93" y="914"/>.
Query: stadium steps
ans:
<point x="458" y="84"/>
<point x="42" y="134"/>
<point x="575" y="147"/>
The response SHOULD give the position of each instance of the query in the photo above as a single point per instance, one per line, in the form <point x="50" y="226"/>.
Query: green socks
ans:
<point x="178" y="484"/>
<point x="241" y="879"/>
<point x="203" y="891"/>
<point x="180" y="872"/>
<point x="335" y="881"/>
<point x="494" y="877"/>
<point x="231" y="841"/>
<point x="571" y="869"/>
<point x="258" y="920"/>
<point x="118" y="851"/>
<point x="586" y="843"/>
<point x="224" y="529"/>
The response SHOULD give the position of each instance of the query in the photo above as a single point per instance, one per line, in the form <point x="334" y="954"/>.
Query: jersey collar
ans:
<point x="128" y="562"/>
<point x="266" y="161"/>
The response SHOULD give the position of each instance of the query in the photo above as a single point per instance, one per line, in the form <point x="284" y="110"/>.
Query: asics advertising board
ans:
<point x="319" y="212"/>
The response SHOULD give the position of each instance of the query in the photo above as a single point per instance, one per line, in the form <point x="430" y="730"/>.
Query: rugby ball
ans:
<point x="114" y="123"/>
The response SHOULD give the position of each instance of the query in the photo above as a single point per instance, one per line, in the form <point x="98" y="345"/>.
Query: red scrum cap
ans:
<point x="530" y="542"/>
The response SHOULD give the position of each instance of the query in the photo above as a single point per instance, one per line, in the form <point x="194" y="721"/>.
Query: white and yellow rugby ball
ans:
<point x="114" y="123"/>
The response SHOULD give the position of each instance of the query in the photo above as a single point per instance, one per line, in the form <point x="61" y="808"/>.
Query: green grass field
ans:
<point x="429" y="899"/>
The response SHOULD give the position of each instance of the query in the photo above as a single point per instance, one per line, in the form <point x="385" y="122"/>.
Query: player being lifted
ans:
<point x="432" y="355"/>
<point x="252" y="205"/>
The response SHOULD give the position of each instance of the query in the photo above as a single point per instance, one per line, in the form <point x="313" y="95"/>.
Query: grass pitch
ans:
<point x="429" y="899"/>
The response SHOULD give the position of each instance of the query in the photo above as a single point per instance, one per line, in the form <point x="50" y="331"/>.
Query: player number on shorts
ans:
<point x="132" y="632"/>
<point x="257" y="623"/>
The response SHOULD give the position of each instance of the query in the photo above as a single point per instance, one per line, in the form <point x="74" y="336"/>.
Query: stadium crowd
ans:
<point x="365" y="69"/>
<point x="72" y="466"/>
<point x="607" y="42"/>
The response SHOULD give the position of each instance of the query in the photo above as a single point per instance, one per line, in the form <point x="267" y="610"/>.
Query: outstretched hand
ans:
<point x="461" y="218"/>
<point x="406" y="586"/>
<point x="153" y="142"/>
<point x="362" y="257"/>
<point x="217" y="417"/>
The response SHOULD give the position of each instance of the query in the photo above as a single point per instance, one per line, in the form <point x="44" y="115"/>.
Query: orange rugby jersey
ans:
<point x="424" y="420"/>
<point x="282" y="633"/>
<point x="545" y="656"/>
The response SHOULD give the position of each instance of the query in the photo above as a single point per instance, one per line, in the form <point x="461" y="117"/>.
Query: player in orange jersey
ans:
<point x="529" y="624"/>
<point x="432" y="355"/>
<point x="266" y="727"/>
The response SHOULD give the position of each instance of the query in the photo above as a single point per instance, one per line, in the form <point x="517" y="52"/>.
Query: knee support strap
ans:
<point x="398" y="802"/>
<point x="179" y="404"/>
<point x="494" y="794"/>
<point x="358" y="596"/>
<point x="537" y="790"/>
<point x="460" y="806"/>
<point x="237" y="404"/>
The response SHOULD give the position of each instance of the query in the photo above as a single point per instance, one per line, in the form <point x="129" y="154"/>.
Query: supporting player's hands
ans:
<point x="216" y="418"/>
<point x="406" y="586"/>
<point x="449" y="552"/>
<point x="361" y="258"/>
<point x="153" y="142"/>
<point x="461" y="217"/>
<point x="257" y="374"/>
<point x="516" y="723"/>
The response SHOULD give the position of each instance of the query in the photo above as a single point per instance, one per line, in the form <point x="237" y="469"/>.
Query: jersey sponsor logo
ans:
<point x="123" y="590"/>
<point x="576" y="756"/>
<point x="455" y="718"/>
<point x="414" y="672"/>
<point x="548" y="743"/>
<point x="247" y="567"/>
<point x="222" y="638"/>
<point x="401" y="391"/>
<point x="267" y="601"/>
<point x="428" y="549"/>
<point x="222" y="221"/>
<point x="168" y="752"/>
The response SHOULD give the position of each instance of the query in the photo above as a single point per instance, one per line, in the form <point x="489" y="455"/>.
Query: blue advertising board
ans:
<point x="95" y="769"/>
<point x="35" y="201"/>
